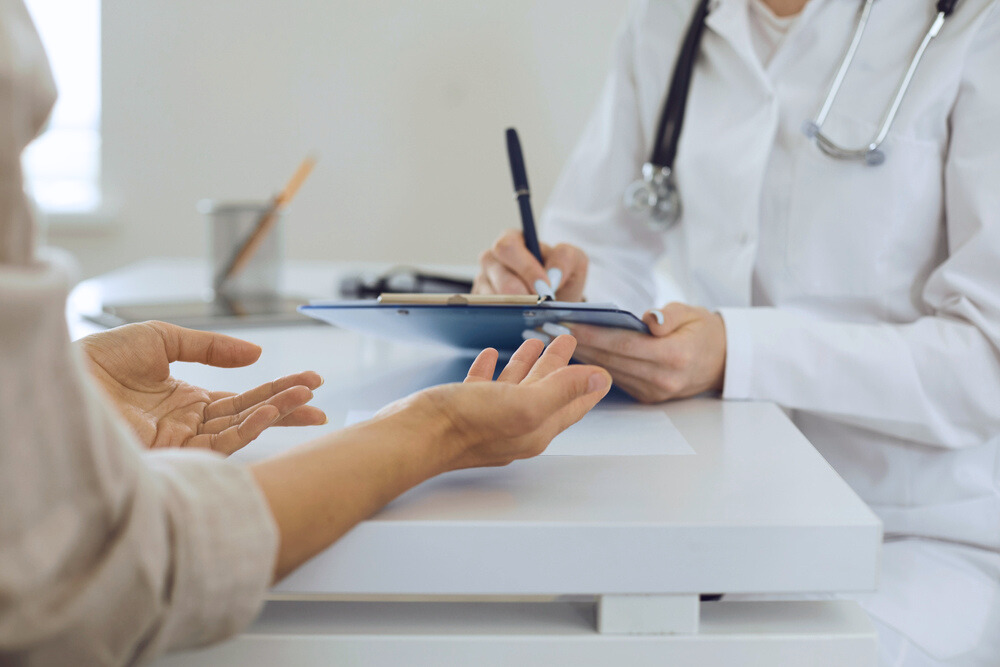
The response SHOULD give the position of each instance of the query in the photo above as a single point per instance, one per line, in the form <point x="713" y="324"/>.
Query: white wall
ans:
<point x="405" y="102"/>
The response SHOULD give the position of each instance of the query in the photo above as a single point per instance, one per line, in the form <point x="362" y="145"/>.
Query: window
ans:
<point x="63" y="166"/>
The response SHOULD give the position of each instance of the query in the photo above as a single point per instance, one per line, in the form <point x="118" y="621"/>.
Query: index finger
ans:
<point x="622" y="342"/>
<point x="516" y="258"/>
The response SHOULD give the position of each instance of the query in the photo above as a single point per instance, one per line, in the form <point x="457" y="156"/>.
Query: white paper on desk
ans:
<point x="629" y="430"/>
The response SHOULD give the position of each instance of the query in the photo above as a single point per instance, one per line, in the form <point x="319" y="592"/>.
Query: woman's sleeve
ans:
<point x="585" y="208"/>
<point x="935" y="380"/>
<point x="108" y="554"/>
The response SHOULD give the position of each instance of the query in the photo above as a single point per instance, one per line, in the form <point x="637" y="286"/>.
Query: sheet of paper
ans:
<point x="629" y="430"/>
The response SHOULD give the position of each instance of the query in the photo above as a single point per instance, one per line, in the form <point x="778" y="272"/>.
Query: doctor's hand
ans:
<point x="509" y="268"/>
<point x="488" y="423"/>
<point x="132" y="364"/>
<point x="684" y="356"/>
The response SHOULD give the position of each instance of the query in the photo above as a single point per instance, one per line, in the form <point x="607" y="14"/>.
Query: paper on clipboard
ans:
<point x="466" y="322"/>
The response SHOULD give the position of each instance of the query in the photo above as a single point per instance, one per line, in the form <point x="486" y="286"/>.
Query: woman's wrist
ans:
<point x="425" y="426"/>
<point x="320" y="490"/>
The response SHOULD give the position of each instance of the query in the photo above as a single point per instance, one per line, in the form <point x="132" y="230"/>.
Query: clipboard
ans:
<point x="469" y="322"/>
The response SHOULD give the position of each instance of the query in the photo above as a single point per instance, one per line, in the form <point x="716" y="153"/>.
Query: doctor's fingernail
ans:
<point x="543" y="289"/>
<point x="555" y="278"/>
<point x="657" y="315"/>
<point x="528" y="334"/>
<point x="554" y="329"/>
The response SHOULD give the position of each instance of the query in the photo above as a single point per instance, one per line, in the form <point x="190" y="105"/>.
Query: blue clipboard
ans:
<point x="462" y="321"/>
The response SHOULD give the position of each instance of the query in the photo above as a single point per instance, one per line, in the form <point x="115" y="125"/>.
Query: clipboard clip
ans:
<point x="398" y="299"/>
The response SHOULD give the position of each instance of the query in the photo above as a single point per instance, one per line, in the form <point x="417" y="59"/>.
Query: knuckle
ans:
<point x="646" y="398"/>
<point x="563" y="250"/>
<point x="479" y="285"/>
<point x="669" y="387"/>
<point x="527" y="414"/>
<point x="511" y="285"/>
<point x="675" y="357"/>
<point x="664" y="384"/>
<point x="625" y="345"/>
<point x="507" y="243"/>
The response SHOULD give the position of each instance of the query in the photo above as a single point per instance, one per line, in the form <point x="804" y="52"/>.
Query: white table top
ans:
<point x="756" y="509"/>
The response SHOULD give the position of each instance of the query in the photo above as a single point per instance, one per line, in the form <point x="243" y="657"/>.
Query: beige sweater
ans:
<point x="109" y="554"/>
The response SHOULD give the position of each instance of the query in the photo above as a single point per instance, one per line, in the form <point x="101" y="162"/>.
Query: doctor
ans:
<point x="859" y="289"/>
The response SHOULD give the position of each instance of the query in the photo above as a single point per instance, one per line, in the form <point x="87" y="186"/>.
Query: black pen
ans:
<point x="523" y="196"/>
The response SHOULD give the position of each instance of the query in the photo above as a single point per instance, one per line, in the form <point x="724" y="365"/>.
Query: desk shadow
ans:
<point x="384" y="388"/>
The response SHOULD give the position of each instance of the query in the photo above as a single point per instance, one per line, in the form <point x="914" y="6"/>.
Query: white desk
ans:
<point x="559" y="558"/>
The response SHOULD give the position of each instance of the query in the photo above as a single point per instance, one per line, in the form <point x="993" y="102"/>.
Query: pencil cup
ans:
<point x="230" y="224"/>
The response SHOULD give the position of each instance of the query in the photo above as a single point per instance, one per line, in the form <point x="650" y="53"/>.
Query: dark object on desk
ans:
<point x="219" y="314"/>
<point x="400" y="279"/>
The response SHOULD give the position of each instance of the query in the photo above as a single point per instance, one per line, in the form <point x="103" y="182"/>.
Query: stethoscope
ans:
<point x="655" y="195"/>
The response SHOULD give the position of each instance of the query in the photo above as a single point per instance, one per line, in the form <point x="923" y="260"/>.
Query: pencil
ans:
<point x="267" y="220"/>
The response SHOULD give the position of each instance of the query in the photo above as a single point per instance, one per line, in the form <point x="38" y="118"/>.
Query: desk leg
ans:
<point x="648" y="614"/>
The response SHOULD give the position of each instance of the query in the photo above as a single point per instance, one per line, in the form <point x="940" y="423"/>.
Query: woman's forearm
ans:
<point x="319" y="491"/>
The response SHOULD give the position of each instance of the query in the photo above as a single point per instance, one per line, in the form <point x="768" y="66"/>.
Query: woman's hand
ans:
<point x="132" y="365"/>
<point x="536" y="397"/>
<point x="509" y="268"/>
<point x="686" y="354"/>
<point x="321" y="490"/>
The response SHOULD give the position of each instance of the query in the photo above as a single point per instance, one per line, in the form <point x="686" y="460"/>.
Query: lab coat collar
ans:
<point x="730" y="19"/>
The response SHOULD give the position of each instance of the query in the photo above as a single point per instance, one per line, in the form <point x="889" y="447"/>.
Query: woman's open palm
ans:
<point x="132" y="365"/>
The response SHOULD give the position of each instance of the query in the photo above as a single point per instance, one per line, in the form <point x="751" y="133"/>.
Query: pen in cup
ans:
<point x="523" y="195"/>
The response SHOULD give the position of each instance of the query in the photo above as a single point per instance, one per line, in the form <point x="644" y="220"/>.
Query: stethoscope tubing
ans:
<point x="871" y="153"/>
<point x="672" y="115"/>
<point x="656" y="195"/>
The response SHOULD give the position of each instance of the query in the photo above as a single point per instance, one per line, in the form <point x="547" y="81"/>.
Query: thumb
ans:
<point x="205" y="347"/>
<point x="670" y="318"/>
<point x="565" y="386"/>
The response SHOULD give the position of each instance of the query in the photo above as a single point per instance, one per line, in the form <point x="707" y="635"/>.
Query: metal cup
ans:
<point x="230" y="225"/>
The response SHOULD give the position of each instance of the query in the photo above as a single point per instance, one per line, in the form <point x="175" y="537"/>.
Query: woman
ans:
<point x="110" y="554"/>
<point x="864" y="299"/>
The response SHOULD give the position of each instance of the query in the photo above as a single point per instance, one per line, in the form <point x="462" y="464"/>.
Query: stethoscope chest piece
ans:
<point x="655" y="197"/>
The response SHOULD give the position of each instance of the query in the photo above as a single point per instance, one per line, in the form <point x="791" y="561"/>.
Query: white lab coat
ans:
<point x="865" y="300"/>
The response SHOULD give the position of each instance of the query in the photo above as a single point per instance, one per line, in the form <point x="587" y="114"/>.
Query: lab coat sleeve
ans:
<point x="935" y="380"/>
<point x="109" y="554"/>
<point x="585" y="208"/>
